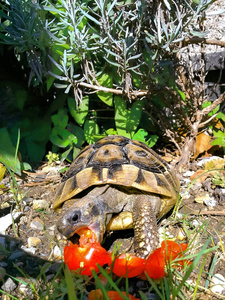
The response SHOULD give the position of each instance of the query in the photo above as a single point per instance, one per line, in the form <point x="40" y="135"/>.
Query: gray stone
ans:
<point x="36" y="224"/>
<point x="30" y="250"/>
<point x="16" y="255"/>
<point x="40" y="204"/>
<point x="217" y="284"/>
<point x="7" y="221"/>
<point x="9" y="285"/>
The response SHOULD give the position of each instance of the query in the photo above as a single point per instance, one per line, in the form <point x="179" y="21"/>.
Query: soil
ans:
<point x="195" y="223"/>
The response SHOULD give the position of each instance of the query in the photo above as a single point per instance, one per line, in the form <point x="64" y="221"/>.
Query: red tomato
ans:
<point x="86" y="236"/>
<point x="128" y="265"/>
<point x="172" y="250"/>
<point x="113" y="295"/>
<point x="85" y="257"/>
<point x="155" y="265"/>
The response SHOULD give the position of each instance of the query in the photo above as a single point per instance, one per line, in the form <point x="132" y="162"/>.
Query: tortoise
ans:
<point x="114" y="184"/>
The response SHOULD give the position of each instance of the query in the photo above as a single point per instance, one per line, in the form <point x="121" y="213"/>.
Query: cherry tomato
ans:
<point x="85" y="257"/>
<point x="155" y="265"/>
<point x="86" y="236"/>
<point x="128" y="265"/>
<point x="113" y="295"/>
<point x="172" y="250"/>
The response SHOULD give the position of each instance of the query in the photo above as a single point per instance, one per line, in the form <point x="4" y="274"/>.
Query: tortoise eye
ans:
<point x="75" y="217"/>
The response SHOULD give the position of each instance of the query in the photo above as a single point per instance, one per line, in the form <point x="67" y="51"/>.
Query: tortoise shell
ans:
<point x="120" y="161"/>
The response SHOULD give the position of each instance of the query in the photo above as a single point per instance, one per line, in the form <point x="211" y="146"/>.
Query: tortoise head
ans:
<point x="82" y="213"/>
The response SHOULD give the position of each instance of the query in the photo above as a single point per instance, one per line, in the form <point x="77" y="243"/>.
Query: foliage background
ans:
<point x="76" y="71"/>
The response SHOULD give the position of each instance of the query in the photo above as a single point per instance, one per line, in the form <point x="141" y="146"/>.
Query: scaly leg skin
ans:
<point x="146" y="236"/>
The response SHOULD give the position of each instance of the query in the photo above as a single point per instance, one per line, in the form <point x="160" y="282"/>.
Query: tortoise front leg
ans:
<point x="146" y="236"/>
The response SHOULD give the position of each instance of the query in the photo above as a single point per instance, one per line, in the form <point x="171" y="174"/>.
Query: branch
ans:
<point x="134" y="94"/>
<point x="198" y="40"/>
<point x="211" y="107"/>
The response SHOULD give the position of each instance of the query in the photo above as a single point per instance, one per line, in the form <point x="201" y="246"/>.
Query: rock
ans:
<point x="181" y="235"/>
<point x="196" y="223"/>
<point x="54" y="268"/>
<point x="33" y="241"/>
<point x="57" y="253"/>
<point x="2" y="273"/>
<point x="210" y="202"/>
<point x="217" y="284"/>
<point x="206" y="159"/>
<point x="16" y="255"/>
<point x="13" y="245"/>
<point x="3" y="264"/>
<point x="24" y="289"/>
<point x="2" y="241"/>
<point x="40" y="204"/>
<point x="30" y="250"/>
<point x="37" y="224"/>
<point x="9" y="285"/>
<point x="27" y="200"/>
<point x="7" y="221"/>
<point x="188" y="173"/>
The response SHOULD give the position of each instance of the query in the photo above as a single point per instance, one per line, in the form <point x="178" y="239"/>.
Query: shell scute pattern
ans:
<point x="120" y="161"/>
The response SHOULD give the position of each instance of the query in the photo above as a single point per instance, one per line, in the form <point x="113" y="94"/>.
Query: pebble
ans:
<point x="27" y="200"/>
<point x="188" y="173"/>
<point x="196" y="186"/>
<point x="217" y="284"/>
<point x="3" y="264"/>
<point x="7" y="221"/>
<point x="210" y="202"/>
<point x="16" y="255"/>
<point x="9" y="285"/>
<point x="40" y="204"/>
<point x="30" y="250"/>
<point x="205" y="159"/>
<point x="37" y="224"/>
<point x="26" y="290"/>
<point x="202" y="197"/>
<point x="196" y="223"/>
<point x="181" y="235"/>
<point x="2" y="241"/>
<point x="57" y="253"/>
<point x="13" y="245"/>
<point x="2" y="273"/>
<point x="33" y="241"/>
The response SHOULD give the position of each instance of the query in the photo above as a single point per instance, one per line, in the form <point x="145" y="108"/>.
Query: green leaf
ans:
<point x="219" y="141"/>
<point x="60" y="119"/>
<point x="106" y="80"/>
<point x="66" y="153"/>
<point x="221" y="116"/>
<point x="78" y="132"/>
<point x="111" y="131"/>
<point x="135" y="116"/>
<point x="141" y="136"/>
<point x="91" y="131"/>
<point x="79" y="114"/>
<point x="137" y="80"/>
<point x="21" y="97"/>
<point x="219" y="133"/>
<point x="121" y="116"/>
<point x="36" y="139"/>
<point x="7" y="152"/>
<point x="62" y="137"/>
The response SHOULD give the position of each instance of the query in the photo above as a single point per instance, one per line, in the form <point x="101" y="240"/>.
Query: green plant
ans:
<point x="219" y="134"/>
<point x="24" y="28"/>
<point x="115" y="62"/>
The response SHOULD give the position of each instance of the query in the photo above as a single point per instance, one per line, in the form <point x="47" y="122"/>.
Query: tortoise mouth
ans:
<point x="74" y="238"/>
<point x="83" y="236"/>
